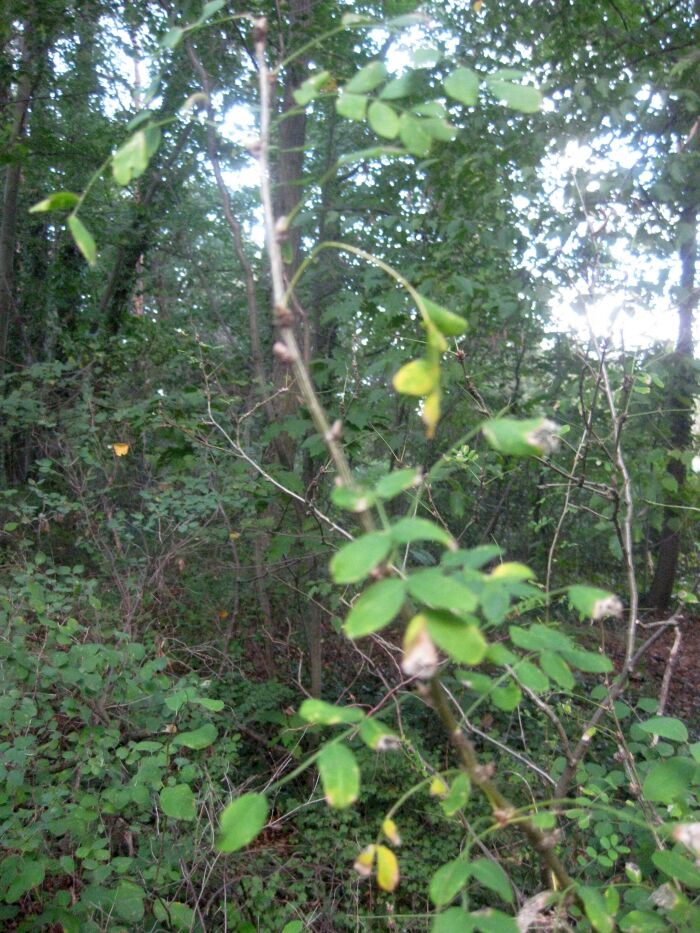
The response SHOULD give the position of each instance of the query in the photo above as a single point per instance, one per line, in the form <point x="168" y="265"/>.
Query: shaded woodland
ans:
<point x="335" y="530"/>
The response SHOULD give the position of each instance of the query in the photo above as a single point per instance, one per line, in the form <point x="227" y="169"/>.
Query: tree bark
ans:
<point x="680" y="395"/>
<point x="10" y="198"/>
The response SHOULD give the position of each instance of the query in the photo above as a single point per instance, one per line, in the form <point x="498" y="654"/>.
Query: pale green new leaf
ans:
<point x="83" y="239"/>
<point x="463" y="85"/>
<point x="367" y="78"/>
<point x="340" y="775"/>
<point x="516" y="96"/>
<point x="178" y="802"/>
<point x="383" y="119"/>
<point x="413" y="135"/>
<point x="351" y="106"/>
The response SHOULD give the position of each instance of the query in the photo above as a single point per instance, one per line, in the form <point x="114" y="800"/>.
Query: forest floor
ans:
<point x="684" y="687"/>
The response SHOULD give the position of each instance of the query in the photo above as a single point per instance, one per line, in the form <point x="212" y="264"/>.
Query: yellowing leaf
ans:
<point x="120" y="450"/>
<point x="365" y="861"/>
<point x="387" y="869"/>
<point x="438" y="787"/>
<point x="431" y="412"/>
<point x="419" y="377"/>
<point x="391" y="832"/>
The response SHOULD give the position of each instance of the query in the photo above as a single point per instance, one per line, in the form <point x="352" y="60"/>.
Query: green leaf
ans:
<point x="414" y="137"/>
<point x="178" y="802"/>
<point x="177" y="914"/>
<point x="311" y="88"/>
<point x="357" y="19"/>
<point x="318" y="711"/>
<point x="351" y="106"/>
<point x="209" y="9"/>
<point x="590" y="601"/>
<point x="20" y="875"/>
<point x="587" y="661"/>
<point x="399" y="87"/>
<point x="427" y="57"/>
<point x="83" y="239"/>
<point x="131" y="160"/>
<point x="454" y="920"/>
<point x="439" y="591"/>
<point x="419" y="377"/>
<point x="669" y="779"/>
<point x="457" y="796"/>
<point x="506" y="698"/>
<point x="58" y="201"/>
<point x="367" y="78"/>
<point x="516" y="96"/>
<point x="666" y="728"/>
<point x="540" y="637"/>
<point x="242" y="821"/>
<point x="595" y="908"/>
<point x="340" y="775"/>
<point x="408" y="530"/>
<point x="473" y="559"/>
<point x="172" y="38"/>
<point x="532" y="437"/>
<point x="352" y="499"/>
<point x="177" y="700"/>
<point x="448" y="881"/>
<point x="556" y="668"/>
<point x="197" y="738"/>
<point x="294" y="926"/>
<point x="397" y="482"/>
<point x="375" y="608"/>
<point x="383" y="120"/>
<point x="449" y="324"/>
<point x="531" y="676"/>
<point x="463" y="85"/>
<point x="214" y="706"/>
<point x="440" y="130"/>
<point x="462" y="641"/>
<point x="128" y="902"/>
<point x="678" y="867"/>
<point x="378" y="737"/>
<point x="494" y="921"/>
<point x="375" y="152"/>
<point x="490" y="875"/>
<point x="355" y="560"/>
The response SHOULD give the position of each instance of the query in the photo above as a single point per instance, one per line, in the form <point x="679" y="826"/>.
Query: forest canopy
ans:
<point x="349" y="453"/>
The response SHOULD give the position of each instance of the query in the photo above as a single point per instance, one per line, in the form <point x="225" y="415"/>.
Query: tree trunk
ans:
<point x="680" y="395"/>
<point x="10" y="199"/>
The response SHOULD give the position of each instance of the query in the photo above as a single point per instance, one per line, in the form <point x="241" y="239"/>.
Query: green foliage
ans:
<point x="170" y="509"/>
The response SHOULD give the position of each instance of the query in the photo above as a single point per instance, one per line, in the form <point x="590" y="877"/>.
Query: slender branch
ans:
<point x="289" y="349"/>
<point x="481" y="776"/>
<point x="613" y="693"/>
